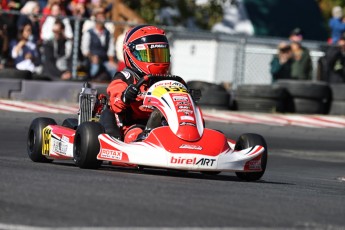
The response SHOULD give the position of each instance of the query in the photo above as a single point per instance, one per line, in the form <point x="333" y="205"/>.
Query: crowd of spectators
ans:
<point x="37" y="35"/>
<point x="39" y="38"/>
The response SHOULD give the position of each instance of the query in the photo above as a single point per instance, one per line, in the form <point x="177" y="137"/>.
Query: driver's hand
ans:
<point x="130" y="94"/>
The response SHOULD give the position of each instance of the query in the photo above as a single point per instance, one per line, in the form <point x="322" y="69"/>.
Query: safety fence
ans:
<point x="228" y="58"/>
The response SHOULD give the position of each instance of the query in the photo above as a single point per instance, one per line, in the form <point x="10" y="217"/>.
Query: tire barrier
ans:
<point x="262" y="98"/>
<point x="338" y="102"/>
<point x="213" y="96"/>
<point x="308" y="97"/>
<point x="15" y="74"/>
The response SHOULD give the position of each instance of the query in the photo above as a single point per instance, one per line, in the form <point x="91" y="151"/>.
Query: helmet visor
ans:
<point x="155" y="53"/>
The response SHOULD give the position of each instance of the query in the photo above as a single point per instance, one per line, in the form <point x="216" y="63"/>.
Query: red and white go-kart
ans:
<point x="181" y="143"/>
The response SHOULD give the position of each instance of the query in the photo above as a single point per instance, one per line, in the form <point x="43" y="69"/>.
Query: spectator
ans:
<point x="47" y="27"/>
<point x="42" y="3"/>
<point x="3" y="45"/>
<point x="282" y="62"/>
<point x="47" y="9"/>
<point x="10" y="4"/>
<point x="94" y="4"/>
<point x="24" y="51"/>
<point x="301" y="66"/>
<point x="331" y="67"/>
<point x="78" y="8"/>
<point x="296" y="35"/>
<point x="11" y="19"/>
<point x="88" y="24"/>
<point x="29" y="15"/>
<point x="336" y="24"/>
<point x="97" y="46"/>
<point x="57" y="53"/>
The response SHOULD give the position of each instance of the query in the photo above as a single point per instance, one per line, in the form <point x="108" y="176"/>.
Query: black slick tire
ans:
<point x="246" y="141"/>
<point x="306" y="89"/>
<point x="35" y="138"/>
<point x="263" y="98"/>
<point x="213" y="96"/>
<point x="337" y="108"/>
<point x="71" y="123"/>
<point x="86" y="145"/>
<point x="15" y="74"/>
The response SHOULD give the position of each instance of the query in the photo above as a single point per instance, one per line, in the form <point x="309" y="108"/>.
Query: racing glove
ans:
<point x="130" y="94"/>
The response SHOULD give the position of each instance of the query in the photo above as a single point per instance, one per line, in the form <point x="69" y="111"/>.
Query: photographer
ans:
<point x="282" y="62"/>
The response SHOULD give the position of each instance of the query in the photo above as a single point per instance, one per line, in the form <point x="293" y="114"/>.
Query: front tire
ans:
<point x="86" y="145"/>
<point x="246" y="141"/>
<point x="35" y="139"/>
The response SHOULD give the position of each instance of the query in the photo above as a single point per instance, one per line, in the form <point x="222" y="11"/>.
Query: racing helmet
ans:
<point x="146" y="50"/>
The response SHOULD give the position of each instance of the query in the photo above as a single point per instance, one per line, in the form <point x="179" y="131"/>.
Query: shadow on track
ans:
<point x="170" y="173"/>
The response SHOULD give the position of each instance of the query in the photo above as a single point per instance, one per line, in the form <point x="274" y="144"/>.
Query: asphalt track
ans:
<point x="303" y="187"/>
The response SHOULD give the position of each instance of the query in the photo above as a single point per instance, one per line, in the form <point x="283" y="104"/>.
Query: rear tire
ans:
<point x="35" y="138"/>
<point x="15" y="74"/>
<point x="246" y="141"/>
<point x="86" y="145"/>
<point x="71" y="123"/>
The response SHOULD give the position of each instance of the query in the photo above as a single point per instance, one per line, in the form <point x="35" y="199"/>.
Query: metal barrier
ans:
<point x="229" y="58"/>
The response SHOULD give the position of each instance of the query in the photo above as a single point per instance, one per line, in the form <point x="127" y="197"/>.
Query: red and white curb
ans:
<point x="314" y="121"/>
<point x="37" y="107"/>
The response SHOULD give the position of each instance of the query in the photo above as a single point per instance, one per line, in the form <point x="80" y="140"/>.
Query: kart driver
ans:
<point x="146" y="51"/>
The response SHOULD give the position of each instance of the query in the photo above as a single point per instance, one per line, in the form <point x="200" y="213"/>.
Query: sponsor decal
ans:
<point x="254" y="164"/>
<point x="182" y="103"/>
<point x="140" y="47"/>
<point x="194" y="147"/>
<point x="64" y="138"/>
<point x="192" y="161"/>
<point x="180" y="98"/>
<point x="126" y="74"/>
<point x="190" y="118"/>
<point x="154" y="46"/>
<point x="186" y="112"/>
<point x="187" y="123"/>
<point x="111" y="154"/>
<point x="168" y="83"/>
<point x="172" y="88"/>
<point x="60" y="147"/>
<point x="184" y="107"/>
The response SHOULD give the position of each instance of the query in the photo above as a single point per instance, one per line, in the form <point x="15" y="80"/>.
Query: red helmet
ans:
<point x="146" y="50"/>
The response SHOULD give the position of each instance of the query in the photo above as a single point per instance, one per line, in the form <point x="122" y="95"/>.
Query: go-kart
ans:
<point x="181" y="142"/>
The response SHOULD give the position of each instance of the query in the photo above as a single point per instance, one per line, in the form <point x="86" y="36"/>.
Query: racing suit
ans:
<point x="128" y="115"/>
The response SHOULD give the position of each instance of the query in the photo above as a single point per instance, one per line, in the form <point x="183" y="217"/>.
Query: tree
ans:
<point x="203" y="16"/>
